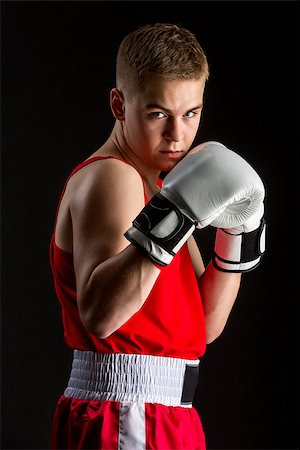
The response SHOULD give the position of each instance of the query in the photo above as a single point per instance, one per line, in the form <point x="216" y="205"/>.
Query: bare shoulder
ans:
<point x="105" y="177"/>
<point x="106" y="195"/>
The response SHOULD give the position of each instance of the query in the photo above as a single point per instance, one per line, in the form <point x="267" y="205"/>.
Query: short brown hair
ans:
<point x="165" y="49"/>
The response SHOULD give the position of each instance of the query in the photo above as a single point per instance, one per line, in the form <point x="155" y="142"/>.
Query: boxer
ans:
<point x="138" y="304"/>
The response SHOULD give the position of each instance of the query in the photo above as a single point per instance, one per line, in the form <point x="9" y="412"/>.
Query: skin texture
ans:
<point x="153" y="130"/>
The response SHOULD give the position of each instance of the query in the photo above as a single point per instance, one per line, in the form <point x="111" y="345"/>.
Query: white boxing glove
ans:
<point x="211" y="185"/>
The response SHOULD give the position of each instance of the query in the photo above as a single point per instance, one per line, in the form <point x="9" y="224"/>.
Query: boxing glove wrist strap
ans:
<point x="239" y="252"/>
<point x="160" y="230"/>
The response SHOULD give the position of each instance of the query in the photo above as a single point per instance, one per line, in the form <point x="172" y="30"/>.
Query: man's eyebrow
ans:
<point x="157" y="106"/>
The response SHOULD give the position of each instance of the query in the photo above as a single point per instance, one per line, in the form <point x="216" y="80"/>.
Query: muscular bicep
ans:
<point x="105" y="202"/>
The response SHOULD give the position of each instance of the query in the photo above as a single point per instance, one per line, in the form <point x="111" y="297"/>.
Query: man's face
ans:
<point x="161" y="121"/>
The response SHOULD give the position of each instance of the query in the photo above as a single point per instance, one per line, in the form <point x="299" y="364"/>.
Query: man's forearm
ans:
<point x="218" y="292"/>
<point x="116" y="290"/>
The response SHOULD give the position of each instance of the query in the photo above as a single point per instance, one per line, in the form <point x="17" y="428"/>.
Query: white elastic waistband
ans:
<point x="130" y="377"/>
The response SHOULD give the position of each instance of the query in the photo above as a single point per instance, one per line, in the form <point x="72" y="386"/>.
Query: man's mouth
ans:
<point x="171" y="153"/>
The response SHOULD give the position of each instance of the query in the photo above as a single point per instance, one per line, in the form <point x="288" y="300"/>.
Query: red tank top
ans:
<point x="170" y="322"/>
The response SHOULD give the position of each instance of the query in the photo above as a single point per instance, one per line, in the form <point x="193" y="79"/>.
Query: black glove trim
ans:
<point x="153" y="251"/>
<point x="246" y="248"/>
<point x="154" y="216"/>
<point x="232" y="270"/>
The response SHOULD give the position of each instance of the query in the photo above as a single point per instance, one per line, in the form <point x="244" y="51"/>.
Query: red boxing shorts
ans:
<point x="128" y="402"/>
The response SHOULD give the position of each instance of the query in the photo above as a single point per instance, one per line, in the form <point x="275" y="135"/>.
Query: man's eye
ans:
<point x="157" y="114"/>
<point x="190" y="114"/>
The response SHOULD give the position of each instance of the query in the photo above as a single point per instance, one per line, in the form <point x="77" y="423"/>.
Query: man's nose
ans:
<point x="174" y="130"/>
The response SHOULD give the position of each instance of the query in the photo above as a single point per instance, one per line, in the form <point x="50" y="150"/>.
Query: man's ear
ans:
<point x="117" y="103"/>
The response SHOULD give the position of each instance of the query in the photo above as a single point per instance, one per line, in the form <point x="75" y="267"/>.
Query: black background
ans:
<point x="57" y="69"/>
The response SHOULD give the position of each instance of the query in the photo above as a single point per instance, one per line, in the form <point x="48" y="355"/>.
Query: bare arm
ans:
<point x="113" y="278"/>
<point x="218" y="292"/>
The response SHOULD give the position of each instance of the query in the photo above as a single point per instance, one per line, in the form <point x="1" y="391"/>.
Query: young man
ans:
<point x="138" y="305"/>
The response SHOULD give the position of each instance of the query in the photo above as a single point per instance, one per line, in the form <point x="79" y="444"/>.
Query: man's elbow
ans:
<point x="103" y="333"/>
<point x="99" y="329"/>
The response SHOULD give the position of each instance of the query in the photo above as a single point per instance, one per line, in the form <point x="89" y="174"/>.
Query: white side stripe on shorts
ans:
<point x="132" y="430"/>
